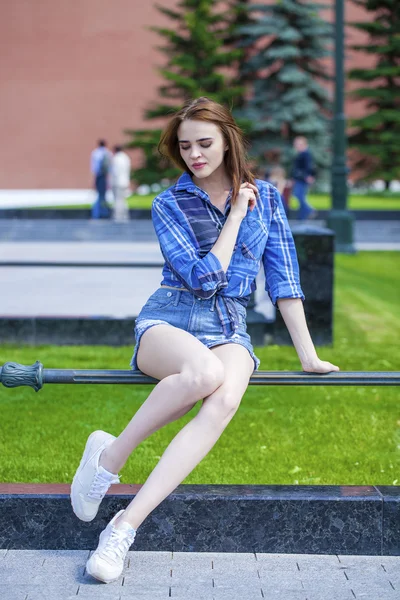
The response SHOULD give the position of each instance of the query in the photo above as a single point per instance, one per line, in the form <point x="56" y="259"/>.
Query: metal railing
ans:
<point x="14" y="375"/>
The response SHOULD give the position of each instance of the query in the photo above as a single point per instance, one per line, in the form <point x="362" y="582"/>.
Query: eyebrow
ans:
<point x="200" y="140"/>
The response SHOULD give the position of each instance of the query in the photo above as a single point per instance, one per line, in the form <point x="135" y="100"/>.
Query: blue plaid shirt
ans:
<point x="188" y="225"/>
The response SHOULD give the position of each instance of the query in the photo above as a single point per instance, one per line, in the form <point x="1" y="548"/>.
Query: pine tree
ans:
<point x="288" y="39"/>
<point x="198" y="57"/>
<point x="377" y="134"/>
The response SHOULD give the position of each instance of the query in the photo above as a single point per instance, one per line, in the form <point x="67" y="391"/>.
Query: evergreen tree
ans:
<point x="197" y="61"/>
<point x="287" y="40"/>
<point x="377" y="134"/>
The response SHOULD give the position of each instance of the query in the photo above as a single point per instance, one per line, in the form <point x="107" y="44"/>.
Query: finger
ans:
<point x="253" y="187"/>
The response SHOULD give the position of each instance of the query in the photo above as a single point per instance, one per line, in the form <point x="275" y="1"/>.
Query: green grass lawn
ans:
<point x="310" y="435"/>
<point x="319" y="201"/>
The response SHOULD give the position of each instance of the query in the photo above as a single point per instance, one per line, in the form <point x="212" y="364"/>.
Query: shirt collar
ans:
<point x="186" y="183"/>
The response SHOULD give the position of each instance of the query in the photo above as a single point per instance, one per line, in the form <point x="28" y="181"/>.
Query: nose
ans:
<point x="195" y="152"/>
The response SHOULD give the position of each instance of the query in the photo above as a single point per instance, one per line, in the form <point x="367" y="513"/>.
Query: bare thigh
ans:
<point x="166" y="350"/>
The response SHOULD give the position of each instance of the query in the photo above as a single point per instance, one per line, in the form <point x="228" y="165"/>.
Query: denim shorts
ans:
<point x="197" y="316"/>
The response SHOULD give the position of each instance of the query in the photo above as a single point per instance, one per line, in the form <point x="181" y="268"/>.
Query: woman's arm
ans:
<point x="223" y="247"/>
<point x="293" y="314"/>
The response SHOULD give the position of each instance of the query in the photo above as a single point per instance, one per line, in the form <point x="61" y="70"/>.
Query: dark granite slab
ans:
<point x="315" y="252"/>
<point x="200" y="518"/>
<point x="65" y="331"/>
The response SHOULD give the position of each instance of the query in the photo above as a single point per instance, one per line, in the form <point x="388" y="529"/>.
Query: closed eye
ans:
<point x="205" y="145"/>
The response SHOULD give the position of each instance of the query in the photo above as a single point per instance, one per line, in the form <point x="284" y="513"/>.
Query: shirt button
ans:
<point x="169" y="294"/>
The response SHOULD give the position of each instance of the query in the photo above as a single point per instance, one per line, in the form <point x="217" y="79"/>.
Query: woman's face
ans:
<point x="202" y="147"/>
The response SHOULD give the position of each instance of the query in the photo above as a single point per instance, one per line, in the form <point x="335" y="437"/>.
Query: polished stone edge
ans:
<point x="207" y="491"/>
<point x="142" y="213"/>
<point x="215" y="518"/>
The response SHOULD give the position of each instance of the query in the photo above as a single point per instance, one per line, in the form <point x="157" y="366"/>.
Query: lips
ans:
<point x="198" y="165"/>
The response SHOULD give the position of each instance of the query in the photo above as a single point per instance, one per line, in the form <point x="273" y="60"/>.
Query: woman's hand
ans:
<point x="245" y="199"/>
<point x="319" y="366"/>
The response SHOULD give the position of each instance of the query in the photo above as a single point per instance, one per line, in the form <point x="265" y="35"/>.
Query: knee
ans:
<point x="222" y="405"/>
<point x="204" y="379"/>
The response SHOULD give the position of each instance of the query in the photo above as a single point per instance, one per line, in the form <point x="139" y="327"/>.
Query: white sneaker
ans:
<point x="91" y="481"/>
<point x="107" y="561"/>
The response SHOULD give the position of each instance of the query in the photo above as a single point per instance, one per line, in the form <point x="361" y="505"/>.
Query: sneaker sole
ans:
<point x="85" y="458"/>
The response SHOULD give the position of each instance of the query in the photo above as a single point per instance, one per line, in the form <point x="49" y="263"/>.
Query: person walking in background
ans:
<point x="120" y="183"/>
<point x="302" y="176"/>
<point x="277" y="176"/>
<point x="100" y="164"/>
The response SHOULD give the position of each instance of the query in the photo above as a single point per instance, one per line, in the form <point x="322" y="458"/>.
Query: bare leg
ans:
<point x="197" y="438"/>
<point x="188" y="372"/>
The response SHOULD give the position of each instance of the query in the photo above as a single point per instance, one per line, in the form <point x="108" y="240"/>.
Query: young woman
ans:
<point x="215" y="227"/>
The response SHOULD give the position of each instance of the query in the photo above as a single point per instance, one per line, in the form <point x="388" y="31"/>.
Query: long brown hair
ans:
<point x="204" y="109"/>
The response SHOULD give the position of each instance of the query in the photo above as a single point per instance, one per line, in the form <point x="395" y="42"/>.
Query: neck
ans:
<point x="217" y="183"/>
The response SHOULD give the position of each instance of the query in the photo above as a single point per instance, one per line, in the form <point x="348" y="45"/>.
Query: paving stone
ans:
<point x="333" y="578"/>
<point x="140" y="593"/>
<point x="320" y="562"/>
<point x="279" y="559"/>
<point x="147" y="577"/>
<point x="149" y="558"/>
<point x="33" y="592"/>
<point x="235" y="558"/>
<point x="333" y="595"/>
<point x="23" y="574"/>
<point x="12" y="592"/>
<point x="195" y="591"/>
<point x="361" y="562"/>
<point x="281" y="570"/>
<point x="192" y="569"/>
<point x="362" y="588"/>
<point x="280" y="582"/>
<point x="230" y="581"/>
<point x="189" y="577"/>
<point x="204" y="559"/>
<point x="243" y="594"/>
<point x="100" y="591"/>
<point x="49" y="594"/>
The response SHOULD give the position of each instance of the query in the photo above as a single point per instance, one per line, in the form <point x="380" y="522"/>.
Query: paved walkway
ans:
<point x="60" y="575"/>
<point x="80" y="292"/>
<point x="53" y="230"/>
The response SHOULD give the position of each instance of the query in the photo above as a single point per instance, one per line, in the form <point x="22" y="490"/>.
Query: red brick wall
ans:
<point x="71" y="72"/>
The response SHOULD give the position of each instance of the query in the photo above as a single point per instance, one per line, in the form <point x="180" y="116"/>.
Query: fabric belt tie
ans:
<point x="227" y="309"/>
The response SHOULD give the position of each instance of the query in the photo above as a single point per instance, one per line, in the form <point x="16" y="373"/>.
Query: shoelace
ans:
<point x="100" y="486"/>
<point x="118" y="544"/>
